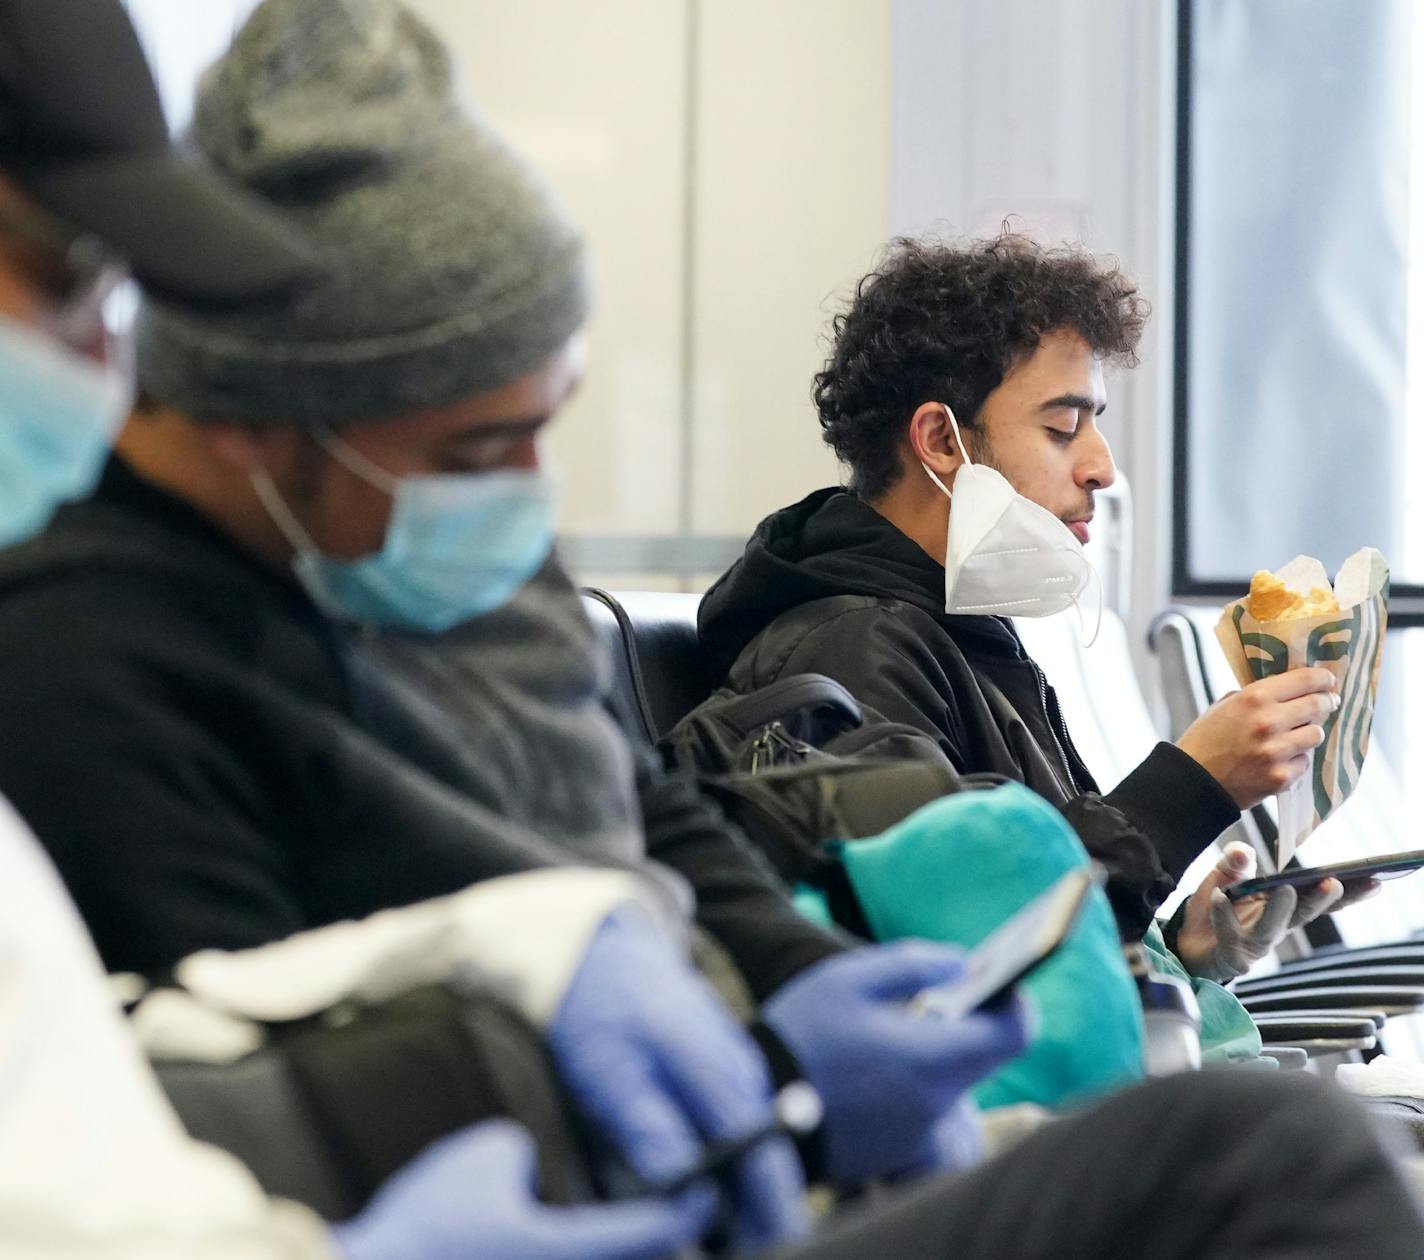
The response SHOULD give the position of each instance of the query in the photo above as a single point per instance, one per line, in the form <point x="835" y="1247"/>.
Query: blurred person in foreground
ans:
<point x="293" y="711"/>
<point x="93" y="1162"/>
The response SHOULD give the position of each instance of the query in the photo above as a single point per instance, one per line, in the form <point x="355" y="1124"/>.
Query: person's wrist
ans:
<point x="1195" y="945"/>
<point x="1220" y="768"/>
<point x="1205" y="965"/>
<point x="1213" y="767"/>
<point x="957" y="1142"/>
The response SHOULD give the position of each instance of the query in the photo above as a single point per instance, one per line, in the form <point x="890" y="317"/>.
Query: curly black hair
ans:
<point x="947" y="323"/>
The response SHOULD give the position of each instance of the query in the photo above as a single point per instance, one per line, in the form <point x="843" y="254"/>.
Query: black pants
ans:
<point x="1228" y="1165"/>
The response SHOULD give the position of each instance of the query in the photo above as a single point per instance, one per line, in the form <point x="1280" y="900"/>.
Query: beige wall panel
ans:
<point x="594" y="93"/>
<point x="621" y="582"/>
<point x="792" y="159"/>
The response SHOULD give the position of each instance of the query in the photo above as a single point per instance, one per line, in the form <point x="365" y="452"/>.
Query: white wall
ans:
<point x="738" y="162"/>
<point x="727" y="159"/>
<point x="594" y="94"/>
<point x="793" y="123"/>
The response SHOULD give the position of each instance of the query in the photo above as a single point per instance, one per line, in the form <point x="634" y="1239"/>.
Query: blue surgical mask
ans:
<point x="59" y="411"/>
<point x="457" y="545"/>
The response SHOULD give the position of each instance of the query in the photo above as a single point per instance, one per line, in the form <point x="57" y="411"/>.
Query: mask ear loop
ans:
<point x="963" y="452"/>
<point x="281" y="514"/>
<point x="958" y="441"/>
<point x="354" y="462"/>
<point x="1097" y="584"/>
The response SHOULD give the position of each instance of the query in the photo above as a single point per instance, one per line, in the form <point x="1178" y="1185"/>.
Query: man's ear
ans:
<point x="933" y="441"/>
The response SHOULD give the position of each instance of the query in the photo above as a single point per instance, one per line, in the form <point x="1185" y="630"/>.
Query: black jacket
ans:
<point x="830" y="586"/>
<point x="211" y="762"/>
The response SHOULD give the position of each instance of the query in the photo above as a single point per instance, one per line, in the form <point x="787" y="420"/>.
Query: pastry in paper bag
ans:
<point x="1293" y="618"/>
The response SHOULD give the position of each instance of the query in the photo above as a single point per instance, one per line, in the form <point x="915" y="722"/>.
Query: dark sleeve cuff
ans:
<point x="1177" y="804"/>
<point x="1173" y="926"/>
<point x="784" y="1069"/>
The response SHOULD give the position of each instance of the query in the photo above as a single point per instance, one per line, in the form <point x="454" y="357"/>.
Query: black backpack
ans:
<point x="800" y="766"/>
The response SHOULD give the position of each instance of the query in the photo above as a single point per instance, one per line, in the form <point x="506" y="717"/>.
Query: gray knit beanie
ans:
<point x="452" y="269"/>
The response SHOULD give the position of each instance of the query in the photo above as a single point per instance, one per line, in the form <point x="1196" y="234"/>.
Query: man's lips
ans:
<point x="1080" y="530"/>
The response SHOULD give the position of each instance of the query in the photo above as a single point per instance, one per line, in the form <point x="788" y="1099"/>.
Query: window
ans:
<point x="1295" y="239"/>
<point x="1300" y="309"/>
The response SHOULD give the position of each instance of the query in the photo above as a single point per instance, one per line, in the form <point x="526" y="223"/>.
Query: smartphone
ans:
<point x="1387" y="866"/>
<point x="1011" y="950"/>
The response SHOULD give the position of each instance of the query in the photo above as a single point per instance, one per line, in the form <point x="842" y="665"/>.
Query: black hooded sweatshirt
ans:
<point x="829" y="586"/>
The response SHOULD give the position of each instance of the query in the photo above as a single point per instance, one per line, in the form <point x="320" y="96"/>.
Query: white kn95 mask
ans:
<point x="1006" y="554"/>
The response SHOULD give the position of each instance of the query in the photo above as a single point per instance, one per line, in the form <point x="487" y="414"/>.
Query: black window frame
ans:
<point x="1406" y="604"/>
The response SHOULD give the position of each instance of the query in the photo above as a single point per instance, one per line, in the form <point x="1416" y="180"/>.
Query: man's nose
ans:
<point x="1096" y="469"/>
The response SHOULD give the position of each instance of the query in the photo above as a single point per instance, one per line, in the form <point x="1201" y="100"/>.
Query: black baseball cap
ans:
<point x="82" y="134"/>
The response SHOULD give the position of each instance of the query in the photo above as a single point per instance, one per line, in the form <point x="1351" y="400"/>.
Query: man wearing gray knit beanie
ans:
<point x="445" y="336"/>
<point x="323" y="681"/>
<point x="309" y="643"/>
<point x="454" y="271"/>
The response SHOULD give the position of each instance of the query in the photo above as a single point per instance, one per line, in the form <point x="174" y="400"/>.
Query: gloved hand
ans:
<point x="888" y="1076"/>
<point x="957" y="1141"/>
<point x="656" y="1062"/>
<point x="1329" y="896"/>
<point x="472" y="1194"/>
<point x="1220" y="938"/>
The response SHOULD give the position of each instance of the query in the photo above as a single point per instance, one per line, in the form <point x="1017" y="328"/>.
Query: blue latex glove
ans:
<point x="472" y="1194"/>
<point x="657" y="1063"/>
<point x="891" y="1080"/>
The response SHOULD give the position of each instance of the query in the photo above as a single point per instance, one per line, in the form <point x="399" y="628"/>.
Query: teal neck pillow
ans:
<point x="956" y="869"/>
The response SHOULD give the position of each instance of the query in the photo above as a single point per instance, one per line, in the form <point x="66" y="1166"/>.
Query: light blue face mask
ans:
<point x="59" y="411"/>
<point x="457" y="545"/>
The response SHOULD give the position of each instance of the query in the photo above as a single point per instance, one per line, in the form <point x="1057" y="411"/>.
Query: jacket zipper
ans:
<point x="1059" y="728"/>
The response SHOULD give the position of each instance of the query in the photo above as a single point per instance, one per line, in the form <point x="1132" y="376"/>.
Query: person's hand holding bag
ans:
<point x="658" y="1064"/>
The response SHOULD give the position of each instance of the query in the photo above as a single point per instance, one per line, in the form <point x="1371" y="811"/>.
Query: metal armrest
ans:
<point x="1402" y="954"/>
<point x="1318" y="1049"/>
<point x="1333" y="977"/>
<point x="1315" y="1033"/>
<point x="1391" y="1000"/>
<point x="1293" y="1027"/>
<point x="1376" y="1019"/>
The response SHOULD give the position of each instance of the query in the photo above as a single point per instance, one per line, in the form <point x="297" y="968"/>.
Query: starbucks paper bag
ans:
<point x="1349" y="643"/>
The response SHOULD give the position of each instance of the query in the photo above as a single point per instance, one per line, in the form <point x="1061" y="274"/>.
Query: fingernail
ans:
<point x="1334" y="701"/>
